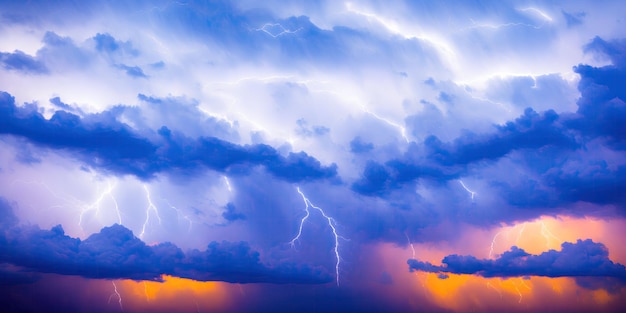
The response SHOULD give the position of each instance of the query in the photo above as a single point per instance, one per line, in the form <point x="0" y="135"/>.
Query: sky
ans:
<point x="312" y="156"/>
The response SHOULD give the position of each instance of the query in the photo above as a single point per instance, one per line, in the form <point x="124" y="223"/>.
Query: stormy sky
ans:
<point x="312" y="156"/>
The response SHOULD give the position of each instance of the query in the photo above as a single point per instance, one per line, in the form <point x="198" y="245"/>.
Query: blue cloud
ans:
<point x="105" y="43"/>
<point x="105" y="143"/>
<point x="231" y="214"/>
<point x="133" y="71"/>
<point x="115" y="253"/>
<point x="20" y="61"/>
<point x="574" y="19"/>
<point x="584" y="258"/>
<point x="552" y="146"/>
<point x="357" y="145"/>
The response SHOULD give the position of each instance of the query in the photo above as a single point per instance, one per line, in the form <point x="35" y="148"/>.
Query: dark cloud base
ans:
<point x="103" y="142"/>
<point x="585" y="260"/>
<point x="115" y="253"/>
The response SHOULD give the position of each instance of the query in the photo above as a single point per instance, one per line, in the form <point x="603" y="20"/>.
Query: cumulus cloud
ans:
<point x="20" y="61"/>
<point x="104" y="142"/>
<point x="548" y="142"/>
<point x="584" y="258"/>
<point x="115" y="253"/>
<point x="403" y="121"/>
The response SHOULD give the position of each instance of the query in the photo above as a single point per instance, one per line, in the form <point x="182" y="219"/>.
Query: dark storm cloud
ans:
<point x="20" y="61"/>
<point x="584" y="258"/>
<point x="115" y="253"/>
<point x="530" y="131"/>
<point x="438" y="160"/>
<point x="62" y="53"/>
<point x="357" y="145"/>
<point x="105" y="43"/>
<point x="602" y="107"/>
<point x="103" y="142"/>
<point x="231" y="214"/>
<point x="554" y="147"/>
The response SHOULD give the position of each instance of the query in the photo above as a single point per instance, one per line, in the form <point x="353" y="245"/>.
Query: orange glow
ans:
<point x="474" y="293"/>
<point x="174" y="294"/>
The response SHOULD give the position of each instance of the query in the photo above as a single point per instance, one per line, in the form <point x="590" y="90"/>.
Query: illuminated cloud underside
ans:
<point x="306" y="156"/>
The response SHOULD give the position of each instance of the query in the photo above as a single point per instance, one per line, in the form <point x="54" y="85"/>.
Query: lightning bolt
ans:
<point x="96" y="205"/>
<point x="269" y="28"/>
<point x="84" y="207"/>
<point x="493" y="242"/>
<point x="410" y="244"/>
<point x="545" y="232"/>
<point x="546" y="19"/>
<point x="179" y="214"/>
<point x="519" y="293"/>
<point x="151" y="207"/>
<point x="391" y="123"/>
<point x="116" y="294"/>
<point x="519" y="235"/>
<point x="331" y="223"/>
<point x="227" y="182"/>
<point x="145" y="291"/>
<point x="472" y="194"/>
<point x="495" y="289"/>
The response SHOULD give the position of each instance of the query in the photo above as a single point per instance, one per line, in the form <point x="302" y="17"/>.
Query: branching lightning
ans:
<point x="401" y="128"/>
<point x="546" y="233"/>
<point x="545" y="19"/>
<point x="276" y="29"/>
<point x="179" y="214"/>
<point x="96" y="205"/>
<point x="116" y="294"/>
<point x="493" y="242"/>
<point x="472" y="194"/>
<point x="69" y="201"/>
<point x="151" y="207"/>
<point x="519" y="293"/>
<point x="331" y="223"/>
<point x="494" y="288"/>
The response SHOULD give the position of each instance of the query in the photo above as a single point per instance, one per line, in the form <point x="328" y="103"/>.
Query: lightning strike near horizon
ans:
<point x="151" y="207"/>
<point x="145" y="291"/>
<point x="519" y="293"/>
<point x="331" y="223"/>
<point x="116" y="294"/>
<point x="495" y="289"/>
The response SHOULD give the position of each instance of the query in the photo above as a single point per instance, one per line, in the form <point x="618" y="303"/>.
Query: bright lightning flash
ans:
<point x="472" y="194"/>
<point x="410" y="244"/>
<point x="227" y="182"/>
<point x="331" y="223"/>
<point x="116" y="294"/>
<point x="401" y="128"/>
<point x="96" y="205"/>
<point x="151" y="207"/>
<point x="276" y="29"/>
